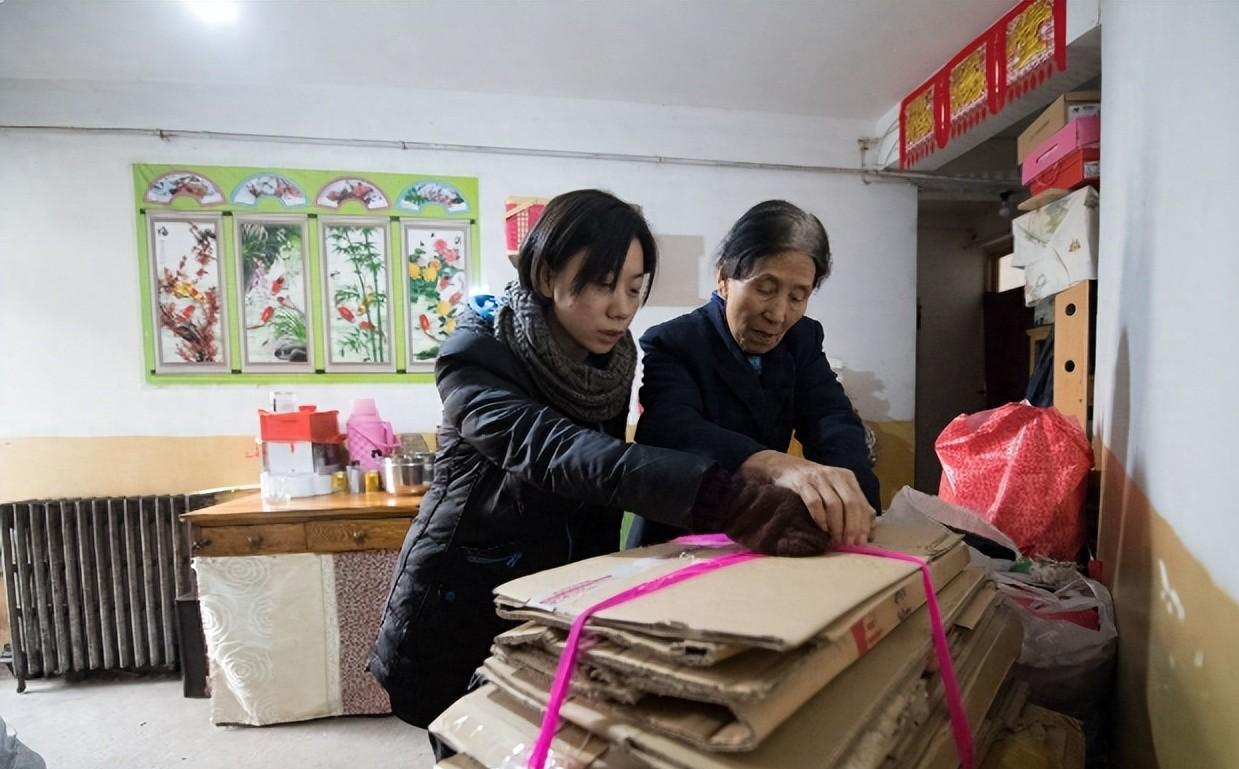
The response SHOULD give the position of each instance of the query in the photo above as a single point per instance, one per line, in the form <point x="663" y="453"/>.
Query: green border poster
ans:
<point x="219" y="195"/>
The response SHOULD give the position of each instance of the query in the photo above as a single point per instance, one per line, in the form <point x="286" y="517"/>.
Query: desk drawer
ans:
<point x="362" y="534"/>
<point x="264" y="539"/>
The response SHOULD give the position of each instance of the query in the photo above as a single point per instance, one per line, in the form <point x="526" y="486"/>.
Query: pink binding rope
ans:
<point x="955" y="704"/>
<point x="567" y="660"/>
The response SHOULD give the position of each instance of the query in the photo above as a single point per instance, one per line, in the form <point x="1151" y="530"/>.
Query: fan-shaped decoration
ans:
<point x="430" y="193"/>
<point x="341" y="191"/>
<point x="175" y="183"/>
<point x="249" y="191"/>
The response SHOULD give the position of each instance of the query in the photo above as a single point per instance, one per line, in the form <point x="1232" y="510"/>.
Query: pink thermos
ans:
<point x="369" y="437"/>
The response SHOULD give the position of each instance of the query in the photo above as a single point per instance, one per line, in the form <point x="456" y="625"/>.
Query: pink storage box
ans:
<point x="1081" y="133"/>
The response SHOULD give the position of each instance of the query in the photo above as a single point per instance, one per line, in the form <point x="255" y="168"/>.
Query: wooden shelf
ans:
<point x="1072" y="323"/>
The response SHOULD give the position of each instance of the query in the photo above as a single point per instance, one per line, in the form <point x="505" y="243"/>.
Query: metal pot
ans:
<point x="406" y="475"/>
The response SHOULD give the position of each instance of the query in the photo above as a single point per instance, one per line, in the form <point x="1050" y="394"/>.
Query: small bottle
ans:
<point x="374" y="481"/>
<point x="354" y="478"/>
<point x="282" y="401"/>
<point x="339" y="482"/>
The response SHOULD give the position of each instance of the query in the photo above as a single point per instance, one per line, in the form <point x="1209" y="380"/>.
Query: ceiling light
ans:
<point x="214" y="11"/>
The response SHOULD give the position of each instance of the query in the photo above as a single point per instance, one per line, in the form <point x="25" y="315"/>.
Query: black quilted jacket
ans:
<point x="518" y="488"/>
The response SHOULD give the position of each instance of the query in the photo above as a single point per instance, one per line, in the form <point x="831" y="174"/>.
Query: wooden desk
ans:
<point x="332" y="523"/>
<point x="291" y="596"/>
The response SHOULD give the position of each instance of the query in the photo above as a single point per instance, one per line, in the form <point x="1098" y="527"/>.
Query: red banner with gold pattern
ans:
<point x="1013" y="56"/>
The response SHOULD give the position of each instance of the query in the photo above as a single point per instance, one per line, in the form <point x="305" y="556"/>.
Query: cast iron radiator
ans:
<point x="92" y="583"/>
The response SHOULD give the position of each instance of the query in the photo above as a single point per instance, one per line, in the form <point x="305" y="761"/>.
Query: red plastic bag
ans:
<point x="1025" y="470"/>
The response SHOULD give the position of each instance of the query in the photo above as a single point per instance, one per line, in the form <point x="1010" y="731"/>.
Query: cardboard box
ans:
<point x="750" y="674"/>
<point x="459" y="761"/>
<point x="745" y="697"/>
<point x="1081" y="133"/>
<point x="1062" y="110"/>
<point x="1057" y="245"/>
<point x="1078" y="168"/>
<point x="980" y="689"/>
<point x="853" y="726"/>
<point x="1003" y="716"/>
<point x="492" y="729"/>
<point x="771" y="603"/>
<point x="718" y="722"/>
<point x="970" y="650"/>
<point x="821" y="733"/>
<point x="1040" y="737"/>
<point x="1045" y="197"/>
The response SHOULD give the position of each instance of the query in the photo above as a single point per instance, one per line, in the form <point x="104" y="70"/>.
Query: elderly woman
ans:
<point x="735" y="379"/>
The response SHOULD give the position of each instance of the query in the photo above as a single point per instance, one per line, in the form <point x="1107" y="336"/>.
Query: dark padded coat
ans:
<point x="518" y="488"/>
<point x="699" y="395"/>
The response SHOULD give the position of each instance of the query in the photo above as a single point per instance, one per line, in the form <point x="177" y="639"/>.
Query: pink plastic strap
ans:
<point x="705" y="540"/>
<point x="954" y="703"/>
<point x="567" y="660"/>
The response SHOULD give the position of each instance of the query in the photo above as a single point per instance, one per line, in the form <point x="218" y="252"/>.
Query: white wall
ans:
<point x="70" y="351"/>
<point x="1167" y="356"/>
<point x="448" y="117"/>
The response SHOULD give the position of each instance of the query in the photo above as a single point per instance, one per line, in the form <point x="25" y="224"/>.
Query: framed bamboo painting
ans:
<point x="357" y="292"/>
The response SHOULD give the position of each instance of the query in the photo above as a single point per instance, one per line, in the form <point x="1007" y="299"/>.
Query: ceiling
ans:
<point x="834" y="58"/>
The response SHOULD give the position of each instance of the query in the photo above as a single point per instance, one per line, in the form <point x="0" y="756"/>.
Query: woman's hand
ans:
<point x="758" y="515"/>
<point x="831" y="494"/>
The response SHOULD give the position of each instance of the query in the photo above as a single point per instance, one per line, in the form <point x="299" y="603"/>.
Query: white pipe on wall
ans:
<point x="868" y="175"/>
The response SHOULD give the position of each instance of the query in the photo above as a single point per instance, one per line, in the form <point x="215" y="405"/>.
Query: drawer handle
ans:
<point x="198" y="544"/>
<point x="255" y="540"/>
<point x="359" y="535"/>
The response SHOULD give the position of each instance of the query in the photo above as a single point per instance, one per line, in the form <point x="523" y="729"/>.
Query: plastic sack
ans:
<point x="1068" y="666"/>
<point x="1025" y="470"/>
<point x="1067" y="627"/>
<point x="15" y="755"/>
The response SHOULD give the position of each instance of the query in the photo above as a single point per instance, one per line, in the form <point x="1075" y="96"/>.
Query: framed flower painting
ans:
<point x="436" y="259"/>
<point x="186" y="281"/>
<point x="273" y="284"/>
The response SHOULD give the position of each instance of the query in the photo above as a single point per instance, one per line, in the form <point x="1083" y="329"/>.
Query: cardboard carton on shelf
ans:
<point x="1061" y="111"/>
<point x="1080" y="134"/>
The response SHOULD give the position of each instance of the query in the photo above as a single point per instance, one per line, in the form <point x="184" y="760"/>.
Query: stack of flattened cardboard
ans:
<point x="771" y="663"/>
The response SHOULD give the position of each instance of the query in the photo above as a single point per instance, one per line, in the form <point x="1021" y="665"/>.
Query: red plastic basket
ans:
<point x="304" y="424"/>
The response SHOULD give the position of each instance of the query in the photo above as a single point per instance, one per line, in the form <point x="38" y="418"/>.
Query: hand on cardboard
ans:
<point x="832" y="494"/>
<point x="762" y="517"/>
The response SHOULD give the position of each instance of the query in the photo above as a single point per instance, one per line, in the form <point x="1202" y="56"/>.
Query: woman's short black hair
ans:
<point x="769" y="228"/>
<point x="593" y="220"/>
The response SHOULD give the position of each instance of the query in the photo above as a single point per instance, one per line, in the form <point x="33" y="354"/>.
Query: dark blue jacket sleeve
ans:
<point x="672" y="413"/>
<point x="826" y="426"/>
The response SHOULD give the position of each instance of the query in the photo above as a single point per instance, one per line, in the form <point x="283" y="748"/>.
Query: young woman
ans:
<point x="532" y="470"/>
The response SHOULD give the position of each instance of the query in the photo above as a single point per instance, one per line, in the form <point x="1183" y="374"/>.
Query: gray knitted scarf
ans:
<point x="581" y="391"/>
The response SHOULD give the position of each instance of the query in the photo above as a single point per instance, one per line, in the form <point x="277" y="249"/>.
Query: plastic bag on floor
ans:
<point x="1070" y="643"/>
<point x="1073" y="625"/>
<point x="1025" y="470"/>
<point x="15" y="755"/>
